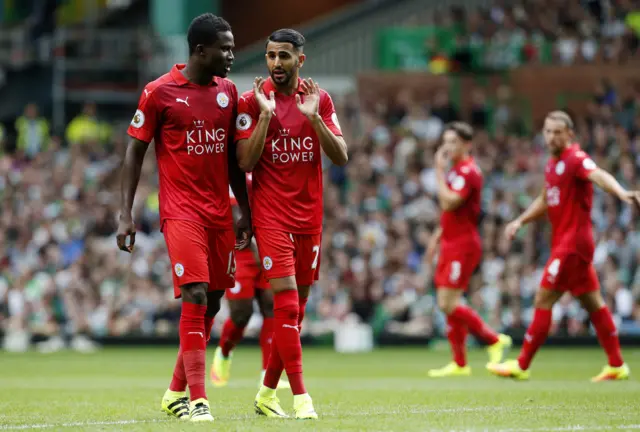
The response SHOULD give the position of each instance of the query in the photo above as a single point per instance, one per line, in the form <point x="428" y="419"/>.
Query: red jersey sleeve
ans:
<point x="147" y="117"/>
<point x="328" y="113"/>
<point x="584" y="165"/>
<point x="464" y="182"/>
<point x="248" y="113"/>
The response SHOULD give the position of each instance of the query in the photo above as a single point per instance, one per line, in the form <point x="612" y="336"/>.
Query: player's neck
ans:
<point x="290" y="88"/>
<point x="196" y="76"/>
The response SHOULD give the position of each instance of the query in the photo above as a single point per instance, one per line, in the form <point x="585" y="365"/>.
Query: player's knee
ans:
<point x="447" y="304"/>
<point x="195" y="293"/>
<point x="213" y="302"/>
<point x="240" y="312"/>
<point x="283" y="284"/>
<point x="592" y="302"/>
<point x="265" y="303"/>
<point x="303" y="291"/>
<point x="241" y="317"/>
<point x="543" y="301"/>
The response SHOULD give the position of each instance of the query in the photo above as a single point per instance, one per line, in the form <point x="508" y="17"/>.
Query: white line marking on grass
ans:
<point x="81" y="424"/>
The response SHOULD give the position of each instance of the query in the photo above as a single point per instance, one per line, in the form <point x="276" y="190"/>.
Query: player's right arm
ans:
<point x="536" y="210"/>
<point x="142" y="130"/>
<point x="588" y="170"/>
<point x="433" y="244"/>
<point x="251" y="132"/>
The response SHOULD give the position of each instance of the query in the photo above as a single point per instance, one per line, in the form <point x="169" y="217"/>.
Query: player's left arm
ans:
<point x="321" y="113"/>
<point x="588" y="170"/>
<point x="238" y="183"/>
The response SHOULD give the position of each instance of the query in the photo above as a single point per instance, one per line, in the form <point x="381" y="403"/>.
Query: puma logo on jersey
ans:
<point x="184" y="101"/>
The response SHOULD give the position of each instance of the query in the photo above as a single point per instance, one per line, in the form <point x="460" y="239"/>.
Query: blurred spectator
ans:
<point x="86" y="128"/>
<point x="32" y="132"/>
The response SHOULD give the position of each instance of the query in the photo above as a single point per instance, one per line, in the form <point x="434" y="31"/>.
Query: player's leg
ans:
<point x="193" y="342"/>
<point x="453" y="274"/>
<point x="607" y="333"/>
<point x="307" y="269"/>
<point x="186" y="244"/>
<point x="264" y="298"/>
<point x="533" y="339"/>
<point x="277" y="251"/>
<point x="240" y="311"/>
<point x="448" y="299"/>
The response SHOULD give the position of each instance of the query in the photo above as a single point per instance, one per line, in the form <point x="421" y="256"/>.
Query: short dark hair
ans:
<point x="291" y="36"/>
<point x="561" y="116"/>
<point x="204" y="30"/>
<point x="462" y="129"/>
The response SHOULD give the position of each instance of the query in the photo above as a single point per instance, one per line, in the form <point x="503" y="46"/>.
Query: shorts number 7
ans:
<point x="316" y="251"/>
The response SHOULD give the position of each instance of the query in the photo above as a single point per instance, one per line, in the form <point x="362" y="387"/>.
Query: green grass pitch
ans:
<point x="387" y="390"/>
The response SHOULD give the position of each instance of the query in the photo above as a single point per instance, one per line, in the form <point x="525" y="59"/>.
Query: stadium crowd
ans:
<point x="62" y="277"/>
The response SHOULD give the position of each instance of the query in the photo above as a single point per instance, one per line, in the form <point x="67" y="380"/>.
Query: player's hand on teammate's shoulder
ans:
<point x="311" y="98"/>
<point x="267" y="105"/>
<point x="512" y="228"/>
<point x="126" y="229"/>
<point x="244" y="233"/>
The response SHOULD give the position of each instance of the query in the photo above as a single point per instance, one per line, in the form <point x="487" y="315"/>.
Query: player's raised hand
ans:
<point x="512" y="228"/>
<point x="267" y="105"/>
<point x="311" y="98"/>
<point x="442" y="158"/>
<point x="244" y="233"/>
<point x="126" y="229"/>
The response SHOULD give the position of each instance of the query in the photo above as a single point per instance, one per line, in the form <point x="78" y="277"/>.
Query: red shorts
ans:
<point x="455" y="268"/>
<point x="249" y="277"/>
<point x="283" y="254"/>
<point x="200" y="254"/>
<point x="569" y="272"/>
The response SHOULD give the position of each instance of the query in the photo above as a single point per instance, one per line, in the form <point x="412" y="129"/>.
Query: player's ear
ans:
<point x="301" y="59"/>
<point x="199" y="49"/>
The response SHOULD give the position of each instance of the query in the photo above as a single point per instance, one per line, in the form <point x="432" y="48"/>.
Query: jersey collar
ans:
<point x="269" y="86"/>
<point x="180" y="79"/>
<point x="567" y="150"/>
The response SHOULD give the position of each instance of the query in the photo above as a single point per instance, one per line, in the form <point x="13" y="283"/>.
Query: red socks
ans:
<point x="179" y="380"/>
<point x="231" y="335"/>
<point x="607" y="335"/>
<point x="475" y="324"/>
<point x="266" y="337"/>
<point x="286" y="340"/>
<point x="457" y="334"/>
<point x="302" y="305"/>
<point x="535" y="337"/>
<point x="193" y="343"/>
<point x="274" y="368"/>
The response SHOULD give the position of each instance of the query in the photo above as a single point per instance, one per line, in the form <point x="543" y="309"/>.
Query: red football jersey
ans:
<point x="569" y="200"/>
<point x="192" y="126"/>
<point x="287" y="181"/>
<point x="460" y="226"/>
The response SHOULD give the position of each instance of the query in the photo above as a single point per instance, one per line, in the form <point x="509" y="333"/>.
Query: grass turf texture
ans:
<point x="387" y="390"/>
